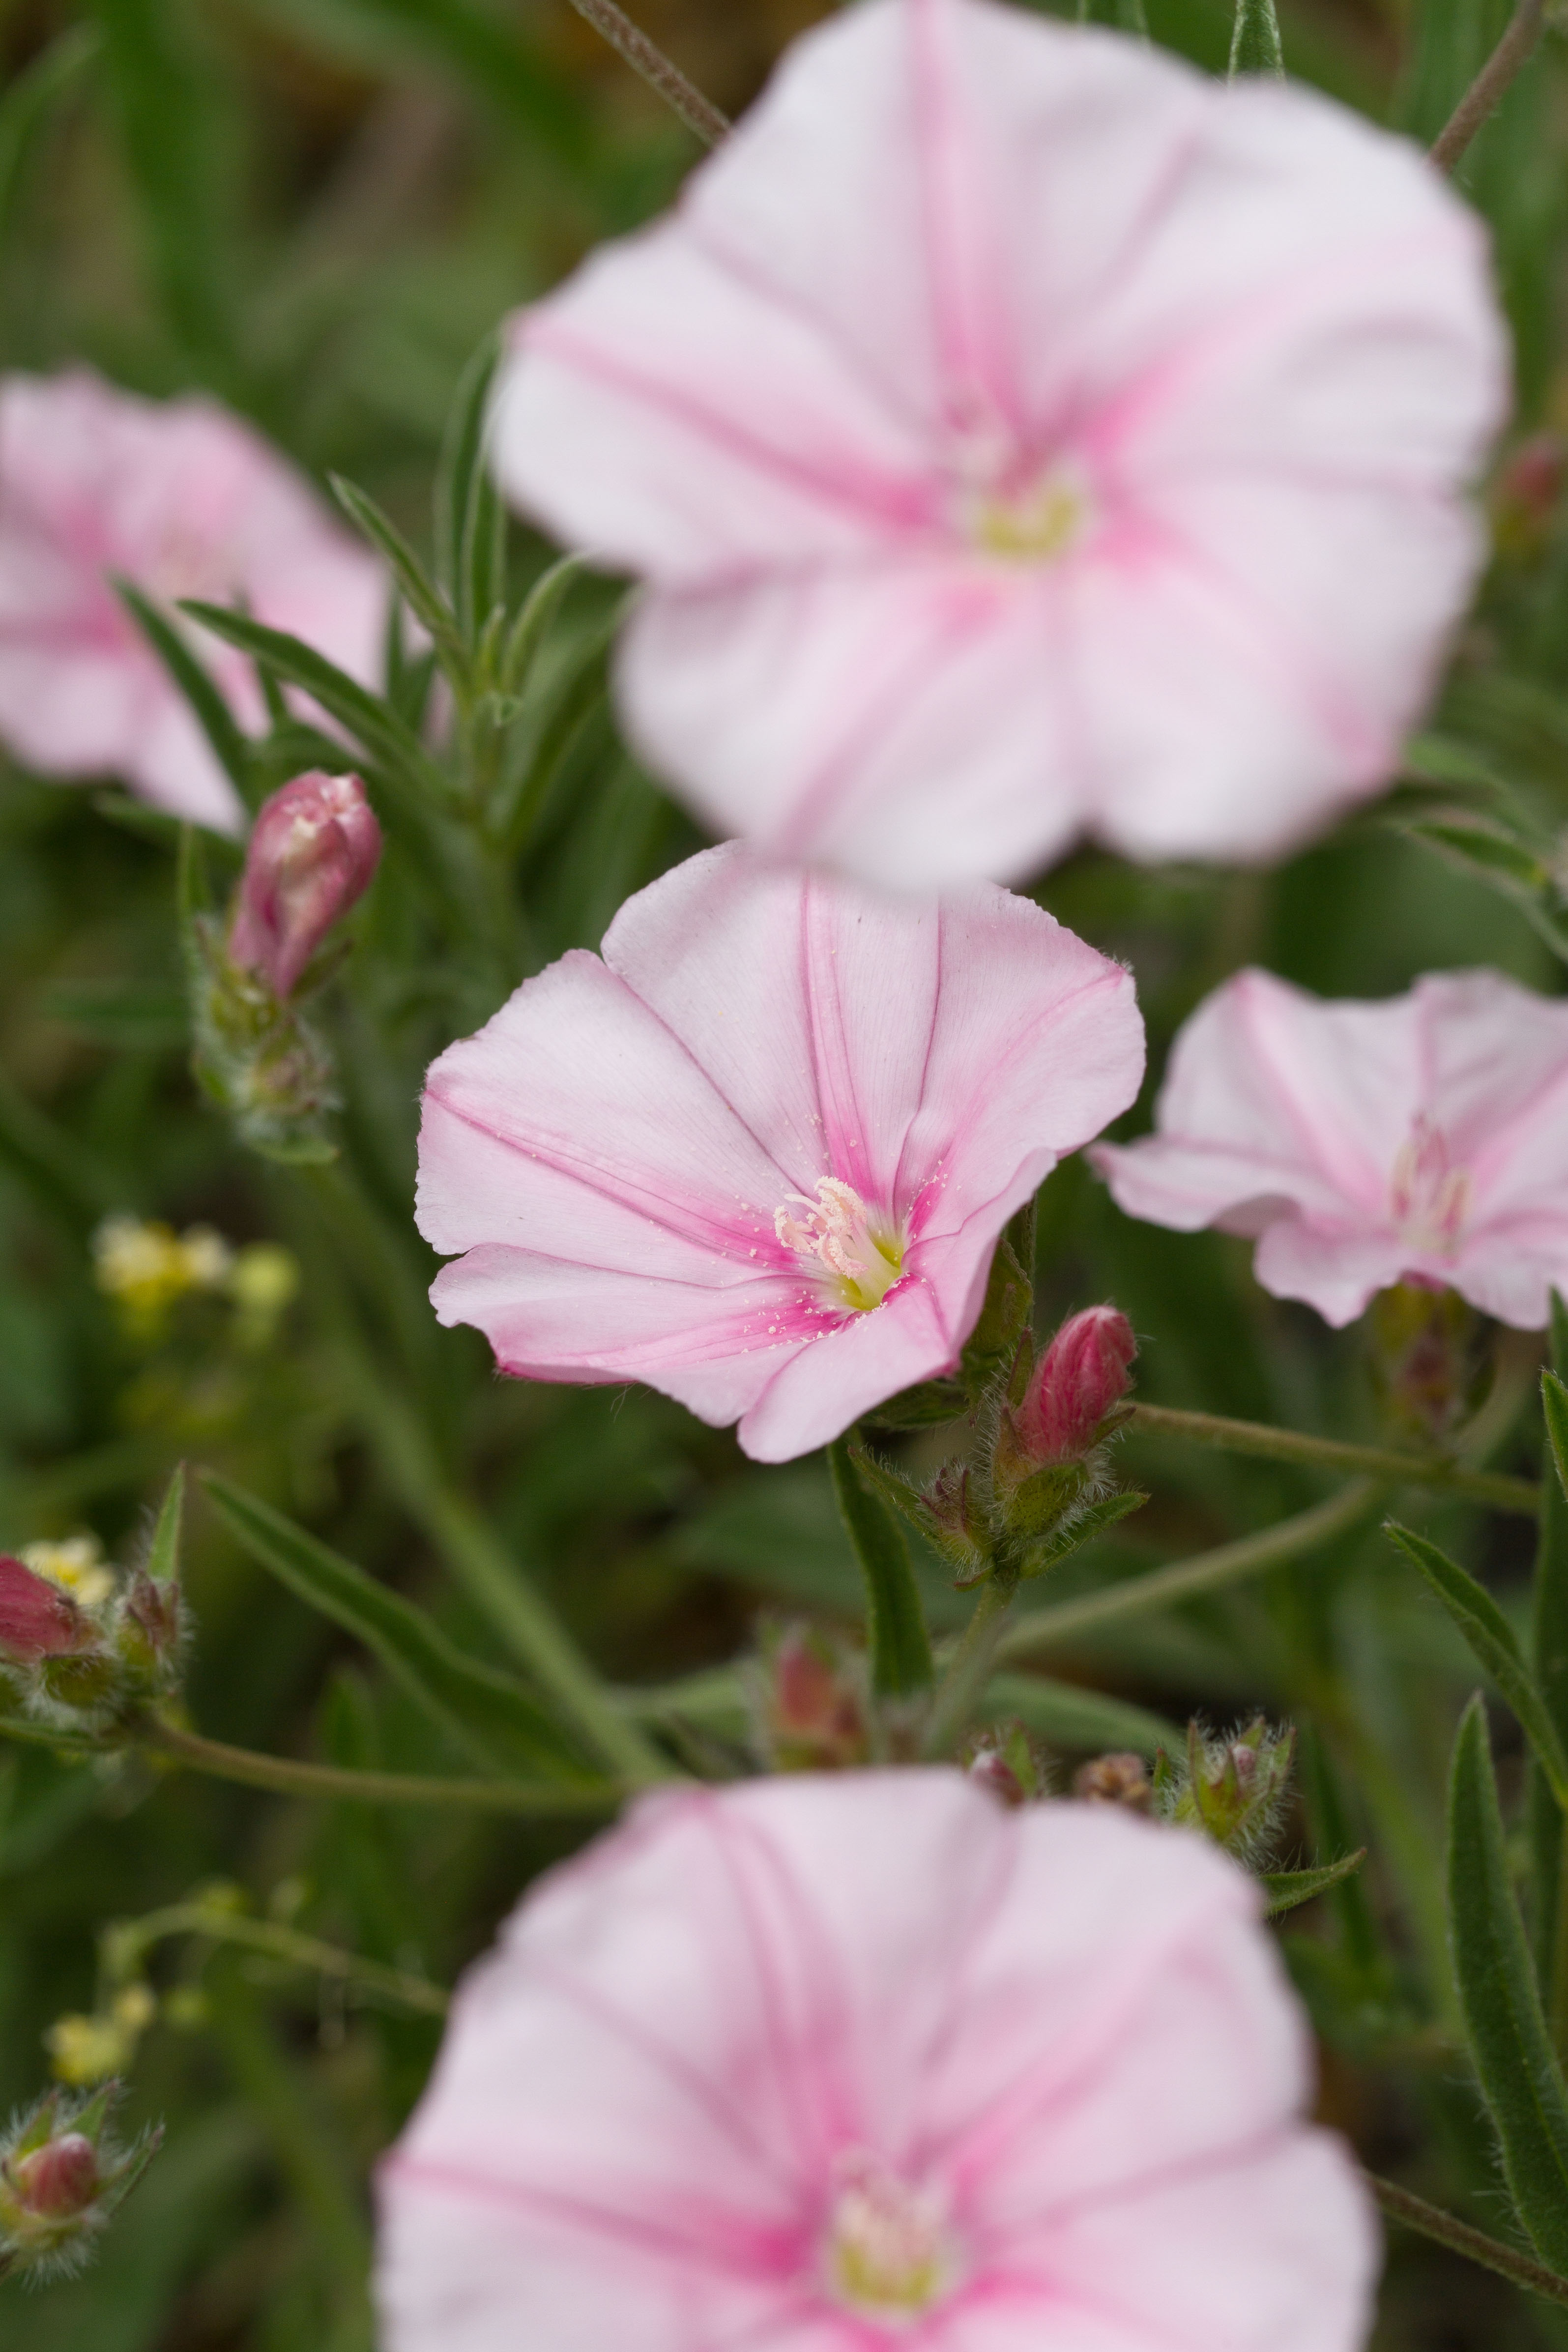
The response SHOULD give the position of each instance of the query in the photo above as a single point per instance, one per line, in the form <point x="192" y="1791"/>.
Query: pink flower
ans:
<point x="1422" y="1139"/>
<point x="183" y="499"/>
<point x="841" y="2064"/>
<point x="312" y="851"/>
<point x="1023" y="435"/>
<point x="760" y="1155"/>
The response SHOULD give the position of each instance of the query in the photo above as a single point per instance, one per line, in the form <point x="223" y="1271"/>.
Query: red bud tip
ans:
<point x="314" y="849"/>
<point x="1085" y="1370"/>
<point x="1532" y="480"/>
<point x="37" y="1619"/>
<point x="58" y="2179"/>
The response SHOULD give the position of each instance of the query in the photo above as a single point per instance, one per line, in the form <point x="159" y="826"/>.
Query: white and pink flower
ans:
<point x="1420" y="1139"/>
<point x="857" y="2061"/>
<point x="759" y="1155"/>
<point x="181" y="499"/>
<point x="1022" y="435"/>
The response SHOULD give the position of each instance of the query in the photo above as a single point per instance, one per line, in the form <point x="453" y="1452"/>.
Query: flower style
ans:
<point x="183" y="499"/>
<point x="759" y="1156"/>
<point x="1022" y="435"/>
<point x="842" y="2063"/>
<point x="1423" y="1140"/>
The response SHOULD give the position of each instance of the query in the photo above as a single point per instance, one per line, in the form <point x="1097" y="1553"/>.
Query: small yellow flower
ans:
<point x="145" y="1267"/>
<point x="135" y="2007"/>
<point x="76" y="1564"/>
<point x="87" y="2050"/>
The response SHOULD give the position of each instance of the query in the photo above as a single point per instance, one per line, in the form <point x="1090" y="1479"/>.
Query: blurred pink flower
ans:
<point x="183" y="499"/>
<point x="759" y="1156"/>
<point x="1023" y="435"/>
<point x="1424" y="1139"/>
<point x="312" y="851"/>
<point x="836" y="2063"/>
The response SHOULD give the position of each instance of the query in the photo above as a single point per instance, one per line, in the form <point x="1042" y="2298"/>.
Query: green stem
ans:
<point x="275" y="1942"/>
<point x="701" y="116"/>
<point x="1431" y="2221"/>
<point x="895" y="1616"/>
<point x="1330" y="1453"/>
<point x="1309" y="1531"/>
<point x="968" y="1669"/>
<point x="1489" y="85"/>
<point x="335" y="1781"/>
<point x="488" y="1571"/>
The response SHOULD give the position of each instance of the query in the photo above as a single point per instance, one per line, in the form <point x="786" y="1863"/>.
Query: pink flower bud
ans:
<point x="813" y="1712"/>
<point x="38" y="1619"/>
<point x="58" y="2179"/>
<point x="314" y="849"/>
<point x="1529" y="485"/>
<point x="1084" y="1373"/>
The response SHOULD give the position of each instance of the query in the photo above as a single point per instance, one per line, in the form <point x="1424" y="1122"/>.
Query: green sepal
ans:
<point x="1286" y="1889"/>
<point x="163" y="1553"/>
<point x="1493" y="1643"/>
<point x="1515" y="2065"/>
<point x="1081" y="1528"/>
<point x="896" y="1638"/>
<point x="950" y="1532"/>
<point x="499" y="1722"/>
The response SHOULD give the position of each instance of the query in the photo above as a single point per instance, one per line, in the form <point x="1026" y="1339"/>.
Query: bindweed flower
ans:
<point x="62" y="2176"/>
<point x="312" y="851"/>
<point x="182" y="500"/>
<point x="1234" y="1789"/>
<point x="1022" y="435"/>
<point x="760" y="1155"/>
<point x="869" y="2060"/>
<point x="1420" y="1139"/>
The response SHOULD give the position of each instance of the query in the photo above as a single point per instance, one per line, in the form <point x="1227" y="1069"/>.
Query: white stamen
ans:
<point x="888" y="2254"/>
<point x="1428" y="1197"/>
<point x="836" y="1232"/>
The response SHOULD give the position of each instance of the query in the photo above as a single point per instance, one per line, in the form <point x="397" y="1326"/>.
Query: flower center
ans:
<point x="1036" y="523"/>
<point x="1428" y="1197"/>
<point x="888" y="2253"/>
<point x="836" y="1232"/>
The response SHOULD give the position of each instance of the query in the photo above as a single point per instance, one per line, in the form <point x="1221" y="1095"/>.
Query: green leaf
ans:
<point x="1091" y="1521"/>
<point x="1493" y="1643"/>
<point x="1255" y="44"/>
<point x="470" y="528"/>
<point x="494" y="1718"/>
<point x="163" y="1554"/>
<point x="1549" y="1651"/>
<point x="169" y="135"/>
<point x="1515" y="2065"/>
<point x="1287" y="1888"/>
<point x="28" y="102"/>
<point x="365" y="715"/>
<point x="896" y="1627"/>
<point x="528" y="631"/>
<point x="420" y="592"/>
<point x="211" y="712"/>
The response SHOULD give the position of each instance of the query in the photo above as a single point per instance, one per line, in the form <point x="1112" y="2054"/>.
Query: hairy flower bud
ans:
<point x="812" y="1713"/>
<point x="61" y="2178"/>
<point x="1121" y="1778"/>
<point x="1003" y="1759"/>
<point x="1234" y="1789"/>
<point x="1527" y="492"/>
<point x="314" y="849"/>
<point x="37" y="1619"/>
<point x="1082" y="1376"/>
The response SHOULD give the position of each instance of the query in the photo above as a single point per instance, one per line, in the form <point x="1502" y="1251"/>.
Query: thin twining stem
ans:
<point x="1432" y="2222"/>
<point x="701" y="116"/>
<point x="1488" y="88"/>
<point x="292" y="1778"/>
<point x="1215" y="1429"/>
<point x="277" y="1942"/>
<point x="1045" y="1629"/>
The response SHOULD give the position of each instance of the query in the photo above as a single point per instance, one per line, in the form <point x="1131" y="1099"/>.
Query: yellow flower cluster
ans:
<point x="147" y="1267"/>
<point x="87" y="2050"/>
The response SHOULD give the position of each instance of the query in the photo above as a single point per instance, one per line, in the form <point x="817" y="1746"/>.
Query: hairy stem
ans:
<point x="1309" y="1531"/>
<point x="1489" y="86"/>
<point x="968" y="1669"/>
<point x="702" y="118"/>
<point x="276" y="1942"/>
<point x="1227" y="1437"/>
<point x="338" y="1782"/>
<point x="1431" y="2221"/>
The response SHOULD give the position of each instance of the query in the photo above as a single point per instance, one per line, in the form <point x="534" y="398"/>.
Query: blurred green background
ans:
<point x="317" y="208"/>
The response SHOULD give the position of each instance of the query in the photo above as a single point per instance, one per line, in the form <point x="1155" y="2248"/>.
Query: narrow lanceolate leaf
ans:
<point x="1493" y="1643"/>
<point x="499" y="1722"/>
<point x="1549" y="1651"/>
<point x="1254" y="46"/>
<point x="1285" y="1889"/>
<point x="470" y="529"/>
<point x="164" y="1558"/>
<point x="1554" y="1403"/>
<point x="896" y="1627"/>
<point x="1515" y="2065"/>
<point x="211" y="712"/>
<point x="420" y="592"/>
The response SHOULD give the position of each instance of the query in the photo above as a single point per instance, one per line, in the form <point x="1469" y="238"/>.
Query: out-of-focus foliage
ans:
<point x="317" y="208"/>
